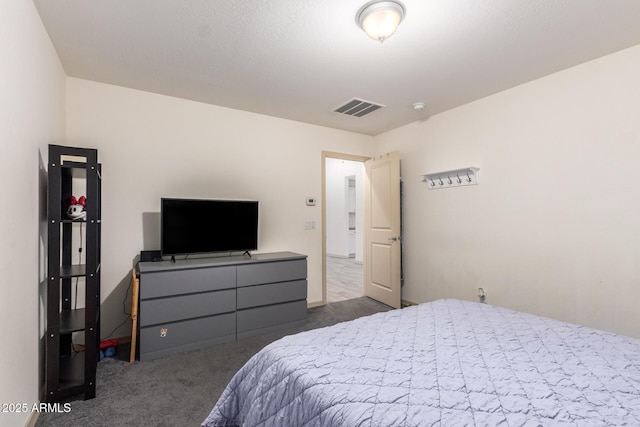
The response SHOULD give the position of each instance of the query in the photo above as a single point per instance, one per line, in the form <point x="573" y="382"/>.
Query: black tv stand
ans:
<point x="173" y="259"/>
<point x="247" y="253"/>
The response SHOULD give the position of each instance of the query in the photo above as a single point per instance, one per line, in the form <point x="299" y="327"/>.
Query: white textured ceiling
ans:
<point x="299" y="59"/>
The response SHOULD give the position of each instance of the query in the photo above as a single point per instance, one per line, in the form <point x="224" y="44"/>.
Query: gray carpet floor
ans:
<point x="181" y="390"/>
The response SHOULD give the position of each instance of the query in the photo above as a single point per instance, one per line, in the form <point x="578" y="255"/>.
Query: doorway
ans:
<point x="343" y="247"/>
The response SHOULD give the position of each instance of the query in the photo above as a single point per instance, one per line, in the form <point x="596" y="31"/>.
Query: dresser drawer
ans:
<point x="271" y="272"/>
<point x="169" y="338"/>
<point x="182" y="307"/>
<point x="254" y="296"/>
<point x="166" y="283"/>
<point x="255" y="319"/>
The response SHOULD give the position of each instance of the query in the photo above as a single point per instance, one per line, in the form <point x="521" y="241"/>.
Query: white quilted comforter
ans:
<point x="445" y="363"/>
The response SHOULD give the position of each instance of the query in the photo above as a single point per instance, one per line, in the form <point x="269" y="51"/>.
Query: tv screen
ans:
<point x="189" y="226"/>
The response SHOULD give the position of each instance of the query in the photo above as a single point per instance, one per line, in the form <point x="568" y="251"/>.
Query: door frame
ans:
<point x="340" y="156"/>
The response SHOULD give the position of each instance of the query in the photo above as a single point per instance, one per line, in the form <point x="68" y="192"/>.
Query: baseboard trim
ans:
<point x="403" y="303"/>
<point x="315" y="304"/>
<point x="339" y="256"/>
<point x="33" y="419"/>
<point x="124" y="340"/>
<point x="407" y="303"/>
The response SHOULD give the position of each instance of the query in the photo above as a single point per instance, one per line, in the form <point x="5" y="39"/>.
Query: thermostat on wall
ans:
<point x="311" y="201"/>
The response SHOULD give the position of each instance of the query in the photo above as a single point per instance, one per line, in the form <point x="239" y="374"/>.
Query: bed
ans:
<point x="448" y="363"/>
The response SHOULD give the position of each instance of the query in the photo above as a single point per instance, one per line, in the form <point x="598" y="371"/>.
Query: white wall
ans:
<point x="152" y="146"/>
<point x="553" y="227"/>
<point x="32" y="85"/>
<point x="337" y="172"/>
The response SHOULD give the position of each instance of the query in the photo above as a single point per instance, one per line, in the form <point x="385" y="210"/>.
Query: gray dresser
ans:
<point x="196" y="303"/>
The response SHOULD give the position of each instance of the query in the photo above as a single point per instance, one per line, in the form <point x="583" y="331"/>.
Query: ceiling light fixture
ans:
<point x="380" y="19"/>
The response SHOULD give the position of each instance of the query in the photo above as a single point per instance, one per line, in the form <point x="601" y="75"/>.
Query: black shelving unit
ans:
<point x="71" y="370"/>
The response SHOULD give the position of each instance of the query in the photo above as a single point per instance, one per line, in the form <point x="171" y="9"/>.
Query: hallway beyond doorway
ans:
<point x="344" y="279"/>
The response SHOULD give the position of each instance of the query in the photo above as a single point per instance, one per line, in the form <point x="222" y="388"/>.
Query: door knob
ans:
<point x="394" y="238"/>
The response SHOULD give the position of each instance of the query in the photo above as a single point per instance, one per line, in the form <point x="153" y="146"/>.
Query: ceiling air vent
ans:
<point x="357" y="107"/>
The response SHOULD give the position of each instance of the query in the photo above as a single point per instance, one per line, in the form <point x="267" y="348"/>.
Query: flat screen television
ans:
<point x="195" y="226"/>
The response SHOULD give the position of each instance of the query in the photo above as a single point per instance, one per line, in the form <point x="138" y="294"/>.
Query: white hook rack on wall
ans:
<point x="452" y="178"/>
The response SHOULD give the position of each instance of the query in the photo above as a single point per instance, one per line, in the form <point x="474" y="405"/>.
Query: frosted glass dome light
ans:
<point x="380" y="19"/>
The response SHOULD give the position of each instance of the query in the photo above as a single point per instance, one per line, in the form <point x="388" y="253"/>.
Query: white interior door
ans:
<point x="382" y="273"/>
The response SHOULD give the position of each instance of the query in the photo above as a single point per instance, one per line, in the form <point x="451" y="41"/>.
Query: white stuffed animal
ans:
<point x="76" y="208"/>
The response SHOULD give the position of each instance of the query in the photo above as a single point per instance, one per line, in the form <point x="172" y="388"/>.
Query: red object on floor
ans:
<point x="108" y="343"/>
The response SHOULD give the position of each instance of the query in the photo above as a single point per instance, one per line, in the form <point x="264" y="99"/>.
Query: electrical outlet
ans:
<point x="309" y="225"/>
<point x="481" y="294"/>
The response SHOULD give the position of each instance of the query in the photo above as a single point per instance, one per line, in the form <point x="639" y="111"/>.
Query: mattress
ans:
<point x="444" y="363"/>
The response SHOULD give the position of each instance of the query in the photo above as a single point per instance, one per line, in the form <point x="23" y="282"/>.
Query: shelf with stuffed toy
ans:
<point x="76" y="210"/>
<point x="73" y="272"/>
